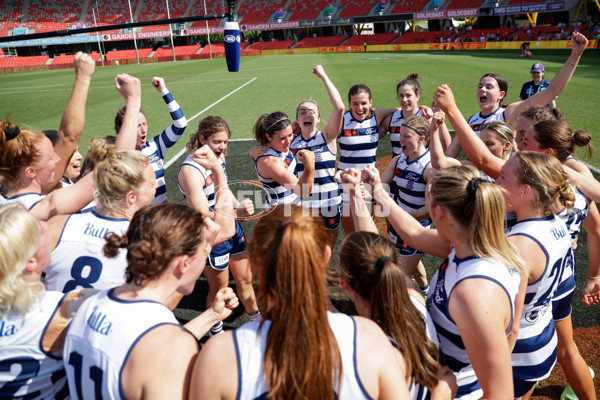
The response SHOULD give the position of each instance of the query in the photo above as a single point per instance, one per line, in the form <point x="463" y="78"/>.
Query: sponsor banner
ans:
<point x="470" y="12"/>
<point x="51" y="41"/>
<point x="107" y="37"/>
<point x="529" y="8"/>
<point x="270" y="26"/>
<point x="202" y="31"/>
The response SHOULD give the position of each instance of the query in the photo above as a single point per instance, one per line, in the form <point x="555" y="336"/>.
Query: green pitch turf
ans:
<point x="271" y="83"/>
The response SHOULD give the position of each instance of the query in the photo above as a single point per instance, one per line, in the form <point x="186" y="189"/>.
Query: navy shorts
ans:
<point x="219" y="256"/>
<point x="402" y="247"/>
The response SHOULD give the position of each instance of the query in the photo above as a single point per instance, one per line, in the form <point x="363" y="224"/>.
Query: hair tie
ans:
<point x="268" y="129"/>
<point x="473" y="185"/>
<point x="412" y="129"/>
<point x="11" y="131"/>
<point x="380" y="263"/>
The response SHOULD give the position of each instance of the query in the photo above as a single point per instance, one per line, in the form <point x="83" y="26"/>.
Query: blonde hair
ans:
<point x="117" y="175"/>
<point x="19" y="241"/>
<point x="503" y="132"/>
<point x="546" y="177"/>
<point x="478" y="206"/>
<point x="418" y="125"/>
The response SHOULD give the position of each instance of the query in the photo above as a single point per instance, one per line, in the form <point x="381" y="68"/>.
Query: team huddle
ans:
<point x="93" y="258"/>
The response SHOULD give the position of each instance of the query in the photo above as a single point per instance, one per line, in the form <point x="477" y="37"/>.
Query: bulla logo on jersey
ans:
<point x="99" y="323"/>
<point x="7" y="329"/>
<point x="91" y="230"/>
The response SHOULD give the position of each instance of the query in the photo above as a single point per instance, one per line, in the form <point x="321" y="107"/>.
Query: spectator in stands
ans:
<point x="158" y="146"/>
<point x="538" y="83"/>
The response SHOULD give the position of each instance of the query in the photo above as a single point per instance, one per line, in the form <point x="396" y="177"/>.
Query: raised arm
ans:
<point x="409" y="229"/>
<point x="73" y="119"/>
<point x="173" y="132"/>
<point x="439" y="160"/>
<point x="472" y="145"/>
<point x="130" y="88"/>
<point x="557" y="85"/>
<point x="336" y="119"/>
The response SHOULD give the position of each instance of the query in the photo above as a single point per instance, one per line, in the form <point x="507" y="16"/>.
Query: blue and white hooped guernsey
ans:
<point x="394" y="129"/>
<point x="27" y="371"/>
<point x="156" y="148"/>
<point x="572" y="218"/>
<point x="277" y="193"/>
<point x="209" y="185"/>
<point x="452" y="351"/>
<point x="535" y="353"/>
<point x="358" y="142"/>
<point x="325" y="191"/>
<point x="101" y="338"/>
<point x="477" y="121"/>
<point x="250" y="344"/>
<point x="408" y="183"/>
<point x="78" y="260"/>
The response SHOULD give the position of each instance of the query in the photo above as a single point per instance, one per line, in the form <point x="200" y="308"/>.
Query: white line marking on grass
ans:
<point x="172" y="160"/>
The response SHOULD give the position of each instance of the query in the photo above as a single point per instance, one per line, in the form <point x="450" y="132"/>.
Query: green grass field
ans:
<point x="271" y="83"/>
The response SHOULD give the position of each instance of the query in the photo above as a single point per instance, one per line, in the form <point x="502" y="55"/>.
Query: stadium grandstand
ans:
<point x="279" y="25"/>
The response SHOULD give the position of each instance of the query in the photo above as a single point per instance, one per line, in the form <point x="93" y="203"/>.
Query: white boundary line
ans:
<point x="596" y="170"/>
<point x="172" y="160"/>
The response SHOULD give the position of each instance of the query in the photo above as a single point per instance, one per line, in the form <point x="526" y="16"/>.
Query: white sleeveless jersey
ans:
<point x="396" y="121"/>
<point x="358" y="142"/>
<point x="477" y="121"/>
<point x="27" y="371"/>
<point x="408" y="184"/>
<point x="209" y="185"/>
<point x="250" y="343"/>
<point x="534" y="354"/>
<point x="29" y="200"/>
<point x="278" y="193"/>
<point x="452" y="351"/>
<point x="100" y="339"/>
<point x="78" y="260"/>
<point x="325" y="191"/>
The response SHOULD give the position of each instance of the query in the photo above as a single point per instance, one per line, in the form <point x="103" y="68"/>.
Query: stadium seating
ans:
<point x="283" y="44"/>
<point x="259" y="11"/>
<point x="354" y="8"/>
<point x="458" y="4"/>
<point x="379" y="38"/>
<point x="324" y="41"/>
<point x="215" y="48"/>
<point x="109" y="12"/>
<point x="408" y="6"/>
<point x="65" y="11"/>
<point x="179" y="51"/>
<point x="212" y="7"/>
<point x="474" y="34"/>
<point x="70" y="58"/>
<point x="9" y="62"/>
<point x="308" y="9"/>
<point x="11" y="11"/>
<point x="422" y="37"/>
<point x="152" y="10"/>
<point x="126" y="54"/>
